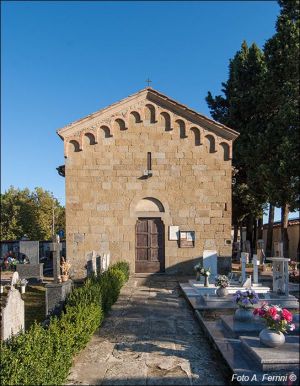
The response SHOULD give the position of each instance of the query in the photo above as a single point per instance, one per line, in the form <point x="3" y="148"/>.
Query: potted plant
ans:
<point x="65" y="269"/>
<point x="22" y="283"/>
<point x="222" y="282"/>
<point x="201" y="271"/>
<point x="245" y="301"/>
<point x="278" y="321"/>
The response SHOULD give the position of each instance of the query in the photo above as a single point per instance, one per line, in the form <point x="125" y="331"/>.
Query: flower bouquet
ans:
<point x="22" y="283"/>
<point x="222" y="282"/>
<point x="245" y="301"/>
<point x="278" y="321"/>
<point x="201" y="271"/>
<point x="65" y="269"/>
<point x="276" y="318"/>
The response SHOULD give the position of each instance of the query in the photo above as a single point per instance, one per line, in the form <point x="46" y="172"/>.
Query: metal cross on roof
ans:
<point x="148" y="81"/>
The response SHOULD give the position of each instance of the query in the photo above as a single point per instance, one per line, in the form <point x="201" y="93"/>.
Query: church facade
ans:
<point x="149" y="181"/>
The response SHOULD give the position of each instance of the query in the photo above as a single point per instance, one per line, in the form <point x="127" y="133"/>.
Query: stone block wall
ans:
<point x="191" y="178"/>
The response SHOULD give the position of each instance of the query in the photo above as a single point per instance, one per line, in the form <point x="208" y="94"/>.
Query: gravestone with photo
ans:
<point x="33" y="270"/>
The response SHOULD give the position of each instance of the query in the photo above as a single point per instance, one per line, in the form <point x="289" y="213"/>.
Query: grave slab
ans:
<point x="30" y="271"/>
<point x="241" y="328"/>
<point x="285" y="357"/>
<point x="56" y="294"/>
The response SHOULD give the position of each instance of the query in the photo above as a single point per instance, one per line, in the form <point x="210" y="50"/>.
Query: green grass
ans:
<point x="35" y="304"/>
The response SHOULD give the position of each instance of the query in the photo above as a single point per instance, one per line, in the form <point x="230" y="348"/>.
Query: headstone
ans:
<point x="247" y="246"/>
<point x="92" y="264"/>
<point x="103" y="263"/>
<point x="244" y="261"/>
<point x="14" y="280"/>
<point x="280" y="275"/>
<point x="260" y="244"/>
<point x="255" y="262"/>
<point x="13" y="312"/>
<point x="31" y="250"/>
<point x="210" y="260"/>
<point x="56" y="294"/>
<point x="56" y="248"/>
<point x="278" y="248"/>
<point x="247" y="283"/>
<point x="108" y="260"/>
<point x="98" y="265"/>
<point x="30" y="271"/>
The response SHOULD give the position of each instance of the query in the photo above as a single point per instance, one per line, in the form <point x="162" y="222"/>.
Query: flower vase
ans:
<point x="271" y="338"/>
<point x="243" y="314"/>
<point x="206" y="282"/>
<point x="23" y="287"/>
<point x="64" y="278"/>
<point x="222" y="292"/>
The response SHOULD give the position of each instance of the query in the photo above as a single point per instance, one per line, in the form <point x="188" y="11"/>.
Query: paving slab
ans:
<point x="150" y="337"/>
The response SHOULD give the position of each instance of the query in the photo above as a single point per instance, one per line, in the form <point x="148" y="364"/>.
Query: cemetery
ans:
<point x="167" y="250"/>
<point x="237" y="331"/>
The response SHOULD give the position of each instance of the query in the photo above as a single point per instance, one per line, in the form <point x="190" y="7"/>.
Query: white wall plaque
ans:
<point x="173" y="232"/>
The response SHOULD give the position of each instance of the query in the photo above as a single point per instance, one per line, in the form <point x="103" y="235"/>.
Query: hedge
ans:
<point x="43" y="355"/>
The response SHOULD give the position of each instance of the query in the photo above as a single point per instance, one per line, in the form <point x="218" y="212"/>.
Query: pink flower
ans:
<point x="292" y="327"/>
<point x="272" y="312"/>
<point x="287" y="315"/>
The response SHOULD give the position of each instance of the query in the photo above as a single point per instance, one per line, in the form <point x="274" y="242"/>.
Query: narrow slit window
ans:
<point x="149" y="161"/>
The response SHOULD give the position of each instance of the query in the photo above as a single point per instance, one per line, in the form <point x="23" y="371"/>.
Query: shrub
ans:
<point x="43" y="355"/>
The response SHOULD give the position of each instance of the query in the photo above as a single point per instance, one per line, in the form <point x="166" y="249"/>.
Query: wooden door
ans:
<point x="150" y="246"/>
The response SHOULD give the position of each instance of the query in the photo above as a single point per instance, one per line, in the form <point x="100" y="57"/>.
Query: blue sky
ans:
<point x="64" y="60"/>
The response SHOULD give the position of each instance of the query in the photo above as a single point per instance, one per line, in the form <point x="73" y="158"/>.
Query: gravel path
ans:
<point x="150" y="337"/>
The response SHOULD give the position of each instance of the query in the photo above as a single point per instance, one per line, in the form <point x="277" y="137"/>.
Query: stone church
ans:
<point x="149" y="181"/>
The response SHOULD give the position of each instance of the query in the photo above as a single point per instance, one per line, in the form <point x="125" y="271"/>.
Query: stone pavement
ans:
<point x="150" y="337"/>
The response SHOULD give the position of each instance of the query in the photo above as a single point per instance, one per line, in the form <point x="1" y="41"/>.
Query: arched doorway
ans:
<point x="150" y="245"/>
<point x="150" y="236"/>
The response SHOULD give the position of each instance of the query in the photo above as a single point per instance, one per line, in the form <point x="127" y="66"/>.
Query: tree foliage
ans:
<point x="238" y="108"/>
<point x="261" y="101"/>
<point x="30" y="213"/>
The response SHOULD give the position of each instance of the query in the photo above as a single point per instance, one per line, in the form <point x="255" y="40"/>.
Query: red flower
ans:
<point x="287" y="315"/>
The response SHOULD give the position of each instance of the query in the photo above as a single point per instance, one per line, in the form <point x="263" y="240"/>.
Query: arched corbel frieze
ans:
<point x="165" y="120"/>
<point x="134" y="117"/>
<point x="103" y="131"/>
<point x="88" y="138"/>
<point x="180" y="125"/>
<point x="210" y="143"/>
<point x="119" y="124"/>
<point x="72" y="145"/>
<point x="226" y="151"/>
<point x="150" y="113"/>
<point x="197" y="137"/>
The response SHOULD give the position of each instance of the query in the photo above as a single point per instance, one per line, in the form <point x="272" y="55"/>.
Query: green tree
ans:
<point x="238" y="108"/>
<point x="281" y="95"/>
<point x="31" y="213"/>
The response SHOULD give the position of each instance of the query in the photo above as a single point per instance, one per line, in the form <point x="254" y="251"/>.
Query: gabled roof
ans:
<point x="156" y="97"/>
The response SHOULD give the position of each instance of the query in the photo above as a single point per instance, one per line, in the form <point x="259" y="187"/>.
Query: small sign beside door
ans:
<point x="187" y="239"/>
<point x="173" y="232"/>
